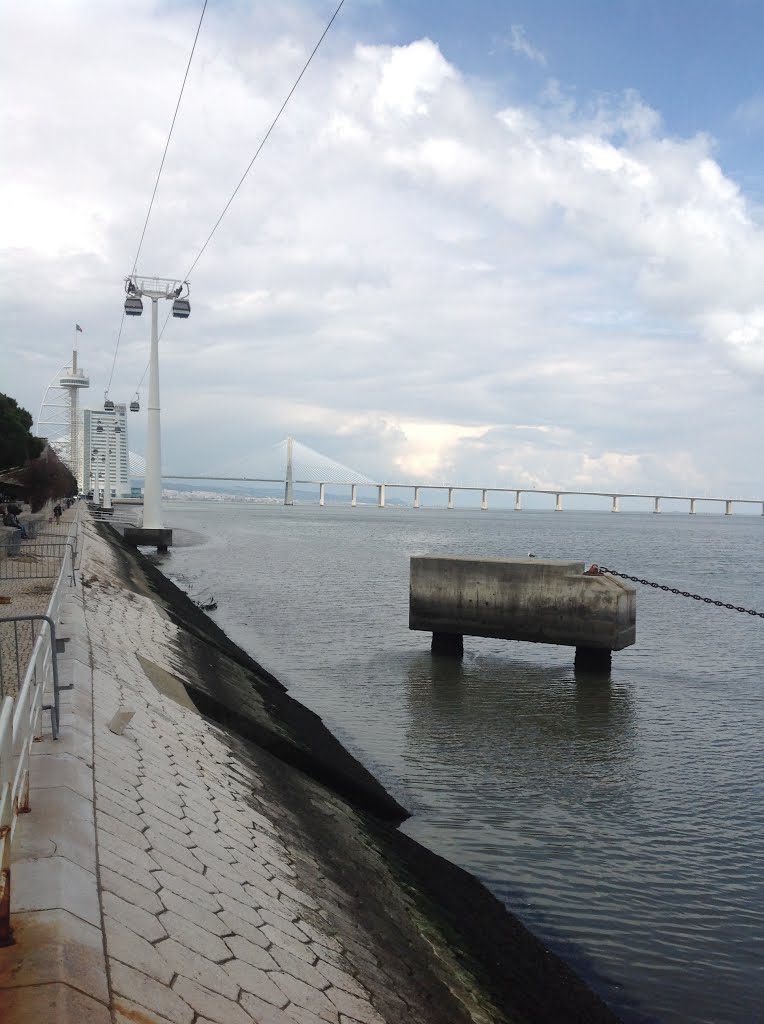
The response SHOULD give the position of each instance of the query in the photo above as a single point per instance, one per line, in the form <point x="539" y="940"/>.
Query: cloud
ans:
<point x="518" y="42"/>
<point x="407" y="270"/>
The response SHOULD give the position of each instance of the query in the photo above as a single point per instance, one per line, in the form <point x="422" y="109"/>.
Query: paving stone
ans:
<point x="294" y="893"/>
<point x="111" y="778"/>
<point x="115" y="796"/>
<point x="53" y="946"/>
<point x="193" y="965"/>
<point x="214" y="1006"/>
<point x="167" y="799"/>
<point x="136" y="918"/>
<point x="130" y="948"/>
<point x="352" y="1006"/>
<point x="200" y="891"/>
<point x="202" y="815"/>
<point x="212" y="842"/>
<point x="293" y="928"/>
<point x="118" y="846"/>
<point x="289" y="944"/>
<point x="171" y="816"/>
<point x="239" y="926"/>
<point x="258" y="897"/>
<point x="250" y="953"/>
<point x="118" y="828"/>
<point x="130" y="891"/>
<point x="341" y="979"/>
<point x="45" y="1004"/>
<point x="177" y="853"/>
<point x="181" y="836"/>
<point x="65" y="818"/>
<point x="241" y="908"/>
<point x="148" y="1002"/>
<point x="320" y="935"/>
<point x="262" y="1012"/>
<point x="300" y="1015"/>
<point x="55" y="884"/>
<point x="192" y="911"/>
<point x="299" y="968"/>
<point x="53" y="770"/>
<point x="187" y="933"/>
<point x="298" y="992"/>
<point x="222" y="867"/>
<point x="124" y="867"/>
<point x="191" y="875"/>
<point x="255" y="981"/>
<point x="131" y="818"/>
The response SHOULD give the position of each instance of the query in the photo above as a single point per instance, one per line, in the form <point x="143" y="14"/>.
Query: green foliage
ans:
<point x="17" y="445"/>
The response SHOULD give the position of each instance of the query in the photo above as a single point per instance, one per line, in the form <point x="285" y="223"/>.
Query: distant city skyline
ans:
<point x="515" y="243"/>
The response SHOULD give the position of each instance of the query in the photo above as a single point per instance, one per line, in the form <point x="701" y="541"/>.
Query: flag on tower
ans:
<point x="78" y="328"/>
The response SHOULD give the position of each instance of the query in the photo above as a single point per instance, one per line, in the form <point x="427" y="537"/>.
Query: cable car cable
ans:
<point x="156" y="183"/>
<point x="265" y="139"/>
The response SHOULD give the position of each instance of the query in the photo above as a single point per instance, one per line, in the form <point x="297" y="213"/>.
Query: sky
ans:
<point x="496" y="243"/>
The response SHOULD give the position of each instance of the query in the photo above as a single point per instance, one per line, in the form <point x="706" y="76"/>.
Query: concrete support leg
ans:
<point x="322" y="494"/>
<point x="728" y="508"/>
<point x="594" y="660"/>
<point x="450" y="497"/>
<point x="381" y="495"/>
<point x="518" y="501"/>
<point x="558" y="503"/>
<point x="692" y="507"/>
<point x="416" y="497"/>
<point x="354" y="495"/>
<point x="484" y="502"/>
<point x="451" y="644"/>
<point x="615" y="503"/>
<point x="657" y="505"/>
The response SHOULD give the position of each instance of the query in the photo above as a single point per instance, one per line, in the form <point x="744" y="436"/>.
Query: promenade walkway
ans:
<point x="158" y="878"/>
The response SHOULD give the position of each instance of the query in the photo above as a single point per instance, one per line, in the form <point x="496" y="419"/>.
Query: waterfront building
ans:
<point x="94" y="443"/>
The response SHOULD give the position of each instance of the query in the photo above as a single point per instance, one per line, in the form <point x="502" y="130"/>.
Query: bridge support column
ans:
<point x="450" y="497"/>
<point x="518" y="501"/>
<point x="692" y="506"/>
<point x="416" y="497"/>
<point x="615" y="504"/>
<point x="558" y="503"/>
<point x="381" y="495"/>
<point x="484" y="502"/>
<point x="762" y="508"/>
<point x="322" y="494"/>
<point x="728" y="508"/>
<point x="450" y="644"/>
<point x="353" y="495"/>
<point x="657" y="505"/>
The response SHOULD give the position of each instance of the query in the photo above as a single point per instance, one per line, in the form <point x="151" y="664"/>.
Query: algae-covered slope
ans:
<point x="445" y="950"/>
<point x="229" y="686"/>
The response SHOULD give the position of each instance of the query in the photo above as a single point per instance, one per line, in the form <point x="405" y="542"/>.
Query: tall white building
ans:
<point x="94" y="449"/>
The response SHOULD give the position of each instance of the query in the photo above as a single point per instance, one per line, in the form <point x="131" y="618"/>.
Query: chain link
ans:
<point x="683" y="593"/>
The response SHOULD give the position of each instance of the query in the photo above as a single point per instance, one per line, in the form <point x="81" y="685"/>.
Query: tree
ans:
<point x="17" y="445"/>
<point x="44" y="479"/>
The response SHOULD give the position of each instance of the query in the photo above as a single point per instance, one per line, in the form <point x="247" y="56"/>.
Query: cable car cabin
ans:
<point x="181" y="308"/>
<point x="135" y="405"/>
<point x="108" y="405"/>
<point x="133" y="305"/>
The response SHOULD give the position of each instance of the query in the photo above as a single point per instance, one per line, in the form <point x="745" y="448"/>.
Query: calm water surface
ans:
<point x="623" y="820"/>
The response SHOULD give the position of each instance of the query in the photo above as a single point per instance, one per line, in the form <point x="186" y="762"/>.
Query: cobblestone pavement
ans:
<point x="149" y="883"/>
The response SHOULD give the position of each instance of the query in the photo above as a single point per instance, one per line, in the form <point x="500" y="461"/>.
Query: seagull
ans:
<point x="531" y="555"/>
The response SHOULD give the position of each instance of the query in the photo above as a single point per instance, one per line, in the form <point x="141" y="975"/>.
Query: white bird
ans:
<point x="531" y="555"/>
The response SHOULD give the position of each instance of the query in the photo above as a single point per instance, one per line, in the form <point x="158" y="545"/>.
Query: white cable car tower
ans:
<point x="58" y="419"/>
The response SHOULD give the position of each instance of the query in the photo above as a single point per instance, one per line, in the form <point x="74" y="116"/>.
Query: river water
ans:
<point x="621" y="820"/>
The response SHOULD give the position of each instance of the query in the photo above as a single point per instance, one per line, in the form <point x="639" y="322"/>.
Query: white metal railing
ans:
<point x="21" y="724"/>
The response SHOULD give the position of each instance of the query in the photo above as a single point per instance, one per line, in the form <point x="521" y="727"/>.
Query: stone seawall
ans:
<point x="230" y="861"/>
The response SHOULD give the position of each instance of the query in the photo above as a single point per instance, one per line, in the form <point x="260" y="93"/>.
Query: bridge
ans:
<point x="306" y="467"/>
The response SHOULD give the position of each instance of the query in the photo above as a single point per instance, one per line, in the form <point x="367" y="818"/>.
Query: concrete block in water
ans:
<point x="535" y="599"/>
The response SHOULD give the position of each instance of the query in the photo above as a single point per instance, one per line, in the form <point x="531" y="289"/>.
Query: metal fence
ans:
<point x="21" y="722"/>
<point x="37" y="559"/>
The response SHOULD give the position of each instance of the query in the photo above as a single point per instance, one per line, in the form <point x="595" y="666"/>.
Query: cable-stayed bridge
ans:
<point x="300" y="464"/>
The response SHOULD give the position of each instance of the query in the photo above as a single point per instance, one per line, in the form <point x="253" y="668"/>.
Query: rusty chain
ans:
<point x="683" y="593"/>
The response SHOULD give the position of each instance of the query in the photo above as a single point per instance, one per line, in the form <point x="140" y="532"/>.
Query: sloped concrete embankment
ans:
<point x="425" y="938"/>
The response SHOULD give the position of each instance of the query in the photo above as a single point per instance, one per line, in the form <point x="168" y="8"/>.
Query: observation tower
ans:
<point x="59" y="415"/>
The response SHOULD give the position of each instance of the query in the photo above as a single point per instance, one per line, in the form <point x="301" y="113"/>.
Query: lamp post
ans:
<point x="154" y="288"/>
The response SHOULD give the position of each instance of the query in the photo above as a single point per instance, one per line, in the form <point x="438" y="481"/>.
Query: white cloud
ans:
<point x="518" y="42"/>
<point x="407" y="269"/>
